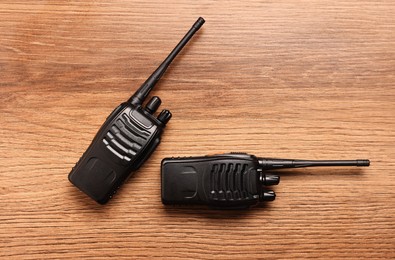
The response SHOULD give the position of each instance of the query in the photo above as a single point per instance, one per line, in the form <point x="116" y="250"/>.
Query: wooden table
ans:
<point x="292" y="79"/>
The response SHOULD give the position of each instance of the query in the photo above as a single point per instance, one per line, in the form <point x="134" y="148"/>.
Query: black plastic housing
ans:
<point x="221" y="181"/>
<point x="123" y="143"/>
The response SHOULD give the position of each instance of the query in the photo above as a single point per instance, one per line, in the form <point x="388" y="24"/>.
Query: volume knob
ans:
<point x="270" y="179"/>
<point x="164" y="116"/>
<point x="153" y="104"/>
<point x="267" y="195"/>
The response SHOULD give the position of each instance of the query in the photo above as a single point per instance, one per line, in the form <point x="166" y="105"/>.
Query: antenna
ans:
<point x="140" y="95"/>
<point x="270" y="163"/>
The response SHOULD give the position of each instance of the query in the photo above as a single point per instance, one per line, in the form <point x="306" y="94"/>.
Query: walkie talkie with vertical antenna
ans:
<point x="127" y="138"/>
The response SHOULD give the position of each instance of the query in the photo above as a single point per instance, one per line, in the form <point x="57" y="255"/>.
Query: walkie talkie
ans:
<point x="233" y="180"/>
<point x="127" y="138"/>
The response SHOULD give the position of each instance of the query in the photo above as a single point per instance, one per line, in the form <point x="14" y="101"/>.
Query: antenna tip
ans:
<point x="199" y="22"/>
<point x="363" y="162"/>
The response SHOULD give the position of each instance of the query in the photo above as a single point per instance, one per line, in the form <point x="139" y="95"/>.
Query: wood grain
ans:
<point x="292" y="79"/>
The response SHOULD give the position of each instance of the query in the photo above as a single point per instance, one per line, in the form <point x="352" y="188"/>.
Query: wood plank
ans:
<point x="293" y="79"/>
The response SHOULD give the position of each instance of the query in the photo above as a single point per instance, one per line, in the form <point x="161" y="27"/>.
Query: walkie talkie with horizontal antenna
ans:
<point x="127" y="138"/>
<point x="233" y="180"/>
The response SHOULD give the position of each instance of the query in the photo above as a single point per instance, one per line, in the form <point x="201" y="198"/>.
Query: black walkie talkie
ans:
<point x="234" y="180"/>
<point x="126" y="139"/>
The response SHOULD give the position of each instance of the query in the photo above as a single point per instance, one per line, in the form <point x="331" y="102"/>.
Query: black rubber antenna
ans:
<point x="140" y="95"/>
<point x="270" y="163"/>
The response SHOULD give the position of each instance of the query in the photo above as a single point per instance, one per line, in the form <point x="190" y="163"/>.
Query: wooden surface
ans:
<point x="292" y="79"/>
